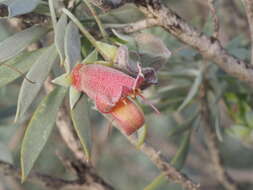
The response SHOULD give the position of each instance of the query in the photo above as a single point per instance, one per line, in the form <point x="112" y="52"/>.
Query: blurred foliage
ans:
<point x="177" y="131"/>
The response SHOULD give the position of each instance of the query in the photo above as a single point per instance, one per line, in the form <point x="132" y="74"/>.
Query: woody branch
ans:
<point x="209" y="47"/>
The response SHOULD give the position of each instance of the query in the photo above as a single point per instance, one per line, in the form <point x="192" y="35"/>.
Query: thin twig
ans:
<point x="215" y="18"/>
<point x="45" y="180"/>
<point x="87" y="178"/>
<point x="248" y="4"/>
<point x="85" y="32"/>
<point x="209" y="47"/>
<point x="100" y="25"/>
<point x="159" y="160"/>
<point x="104" y="5"/>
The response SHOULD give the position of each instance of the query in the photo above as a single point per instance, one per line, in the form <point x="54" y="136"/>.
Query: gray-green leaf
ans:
<point x="21" y="62"/>
<point x="19" y="41"/>
<point x="142" y="134"/>
<point x="92" y="57"/>
<point x="17" y="7"/>
<point x="80" y="118"/>
<point x="39" y="129"/>
<point x="182" y="152"/>
<point x="157" y="182"/>
<point x="74" y="96"/>
<point x="38" y="74"/>
<point x="5" y="154"/>
<point x="59" y="36"/>
<point x="193" y="91"/>
<point x="125" y="14"/>
<point x="72" y="45"/>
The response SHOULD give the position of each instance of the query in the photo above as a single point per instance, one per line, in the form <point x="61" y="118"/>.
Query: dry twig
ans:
<point x="215" y="18"/>
<point x="159" y="160"/>
<point x="210" y="48"/>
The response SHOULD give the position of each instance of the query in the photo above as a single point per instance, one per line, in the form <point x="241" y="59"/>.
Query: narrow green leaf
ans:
<point x="217" y="128"/>
<point x="215" y="112"/>
<point x="74" y="96"/>
<point x="125" y="14"/>
<point x="109" y="50"/>
<point x="158" y="181"/>
<point x="193" y="91"/>
<point x="80" y="118"/>
<point x="177" y="161"/>
<point x="187" y="125"/>
<point x="142" y="134"/>
<point x="17" y="7"/>
<point x="92" y="57"/>
<point x="63" y="80"/>
<point x="181" y="155"/>
<point x="59" y="36"/>
<point x="19" y="41"/>
<point x="52" y="12"/>
<point x="38" y="74"/>
<point x="39" y="129"/>
<point x="22" y="63"/>
<point x="72" y="46"/>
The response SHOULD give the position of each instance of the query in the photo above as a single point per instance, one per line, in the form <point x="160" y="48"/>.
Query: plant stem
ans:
<point x="100" y="25"/>
<point x="92" y="40"/>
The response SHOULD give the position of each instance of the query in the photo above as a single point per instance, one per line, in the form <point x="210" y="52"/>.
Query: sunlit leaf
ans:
<point x="81" y="121"/>
<point x="39" y="129"/>
<point x="38" y="74"/>
<point x="22" y="63"/>
<point x="19" y="41"/>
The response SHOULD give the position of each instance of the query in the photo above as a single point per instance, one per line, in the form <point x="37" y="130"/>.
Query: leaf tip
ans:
<point x="63" y="80"/>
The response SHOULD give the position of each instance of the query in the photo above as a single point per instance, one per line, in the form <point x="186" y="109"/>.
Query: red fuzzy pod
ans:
<point x="105" y="85"/>
<point x="127" y="115"/>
